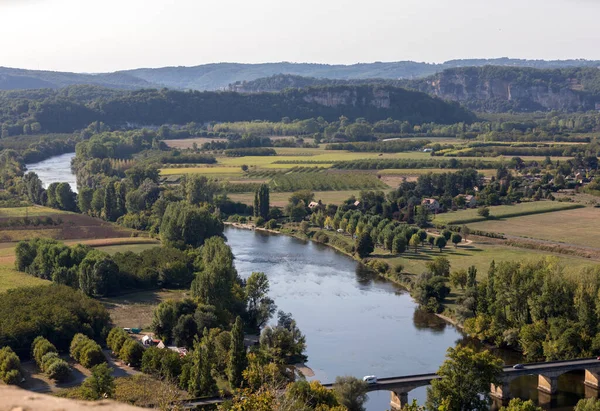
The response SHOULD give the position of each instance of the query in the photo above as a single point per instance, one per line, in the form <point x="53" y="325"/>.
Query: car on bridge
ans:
<point x="370" y="379"/>
<point x="518" y="366"/>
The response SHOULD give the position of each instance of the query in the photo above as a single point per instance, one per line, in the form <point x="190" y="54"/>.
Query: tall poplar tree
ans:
<point x="261" y="201"/>
<point x="237" y="354"/>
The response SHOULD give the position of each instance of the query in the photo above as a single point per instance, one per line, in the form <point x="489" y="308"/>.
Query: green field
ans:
<point x="578" y="226"/>
<point x="504" y="211"/>
<point x="33" y="211"/>
<point x="281" y="199"/>
<point x="211" y="171"/>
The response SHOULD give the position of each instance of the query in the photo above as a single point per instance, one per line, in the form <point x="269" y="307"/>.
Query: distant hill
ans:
<point x="487" y="88"/>
<point x="19" y="79"/>
<point x="219" y="76"/>
<point x="67" y="110"/>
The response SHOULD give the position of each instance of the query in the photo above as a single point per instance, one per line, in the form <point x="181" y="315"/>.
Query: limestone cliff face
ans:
<point x="497" y="89"/>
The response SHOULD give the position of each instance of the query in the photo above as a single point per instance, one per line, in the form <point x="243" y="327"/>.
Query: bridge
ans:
<point x="547" y="372"/>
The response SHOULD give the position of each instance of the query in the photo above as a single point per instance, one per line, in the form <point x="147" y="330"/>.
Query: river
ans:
<point x="355" y="323"/>
<point x="55" y="169"/>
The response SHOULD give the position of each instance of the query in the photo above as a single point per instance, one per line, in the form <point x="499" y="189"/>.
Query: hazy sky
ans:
<point x="95" y="36"/>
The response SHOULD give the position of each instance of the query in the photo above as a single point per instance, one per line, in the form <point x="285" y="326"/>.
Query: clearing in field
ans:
<point x="135" y="310"/>
<point x="578" y="226"/>
<point x="504" y="211"/>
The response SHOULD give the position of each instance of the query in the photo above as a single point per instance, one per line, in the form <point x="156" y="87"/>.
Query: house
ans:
<point x="313" y="204"/>
<point x="470" y="201"/>
<point x="356" y="203"/>
<point x="432" y="204"/>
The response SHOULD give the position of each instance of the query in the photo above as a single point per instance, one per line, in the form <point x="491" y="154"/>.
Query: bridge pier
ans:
<point x="500" y="391"/>
<point x="398" y="400"/>
<point x="592" y="379"/>
<point x="548" y="385"/>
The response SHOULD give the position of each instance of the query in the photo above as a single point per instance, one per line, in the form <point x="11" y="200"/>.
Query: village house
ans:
<point x="432" y="204"/>
<point x="470" y="201"/>
<point x="313" y="204"/>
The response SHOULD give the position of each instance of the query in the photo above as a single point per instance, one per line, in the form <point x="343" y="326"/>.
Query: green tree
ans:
<point x="440" y="242"/>
<point x="98" y="274"/>
<point x="65" y="197"/>
<point x="459" y="278"/>
<point x="237" y="354"/>
<point x="588" y="404"/>
<point x="100" y="384"/>
<point x="185" y="331"/>
<point x="364" y="245"/>
<point x="109" y="209"/>
<point x="351" y="392"/>
<point x="456" y="238"/>
<point x="184" y="224"/>
<point x="518" y="404"/>
<point x="471" y="276"/>
<point x="398" y="244"/>
<point x="483" y="212"/>
<point x="422" y="216"/>
<point x="465" y="380"/>
<point x="84" y="200"/>
<point x="415" y="241"/>
<point x="260" y="307"/>
<point x="261" y="201"/>
<point x="10" y="366"/>
<point x="439" y="266"/>
<point x="131" y="352"/>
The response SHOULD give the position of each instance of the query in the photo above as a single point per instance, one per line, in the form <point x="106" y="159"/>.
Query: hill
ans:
<point x="488" y="88"/>
<point x="219" y="76"/>
<point x="66" y="111"/>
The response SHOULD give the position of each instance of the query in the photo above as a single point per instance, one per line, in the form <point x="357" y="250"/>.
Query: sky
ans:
<point x="109" y="35"/>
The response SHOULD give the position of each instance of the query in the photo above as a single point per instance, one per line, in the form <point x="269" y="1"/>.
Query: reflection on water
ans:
<point x="360" y="324"/>
<point x="56" y="169"/>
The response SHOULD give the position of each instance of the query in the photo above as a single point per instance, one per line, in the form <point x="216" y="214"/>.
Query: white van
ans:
<point x="370" y="379"/>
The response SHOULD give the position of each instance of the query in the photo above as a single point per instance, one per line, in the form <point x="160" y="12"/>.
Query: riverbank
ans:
<point x="388" y="275"/>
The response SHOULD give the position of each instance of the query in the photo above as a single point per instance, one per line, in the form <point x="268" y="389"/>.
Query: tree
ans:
<point x="518" y="404"/>
<point x="465" y="232"/>
<point x="261" y="201"/>
<point x="456" y="238"/>
<point x="185" y="331"/>
<point x="260" y="307"/>
<point x="131" y="352"/>
<point x="100" y="384"/>
<point x="33" y="188"/>
<point x="109" y="210"/>
<point x="472" y="276"/>
<point x="459" y="278"/>
<point x="98" y="274"/>
<point x="447" y="234"/>
<point x="588" y="404"/>
<point x="199" y="189"/>
<point x="399" y="244"/>
<point x="439" y="266"/>
<point x="465" y="380"/>
<point x="84" y="200"/>
<point x="422" y="216"/>
<point x="431" y="240"/>
<point x="415" y="241"/>
<point x="440" y="242"/>
<point x="65" y="197"/>
<point x="351" y="392"/>
<point x="364" y="245"/>
<point x="184" y="224"/>
<point x="237" y="354"/>
<point x="10" y="366"/>
<point x="483" y="212"/>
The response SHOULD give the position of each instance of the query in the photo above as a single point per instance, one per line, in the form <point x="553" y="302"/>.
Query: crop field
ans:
<point x="421" y="171"/>
<point x="212" y="171"/>
<point x="578" y="226"/>
<point x="189" y="142"/>
<point x="504" y="211"/>
<point x="33" y="211"/>
<point x="136" y="248"/>
<point x="281" y="199"/>
<point x="480" y="255"/>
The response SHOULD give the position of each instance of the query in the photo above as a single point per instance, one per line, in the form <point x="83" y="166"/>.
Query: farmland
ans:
<point x="578" y="226"/>
<point x="504" y="211"/>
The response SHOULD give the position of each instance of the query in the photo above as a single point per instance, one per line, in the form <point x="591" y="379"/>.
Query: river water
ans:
<point x="55" y="169"/>
<point x="355" y="323"/>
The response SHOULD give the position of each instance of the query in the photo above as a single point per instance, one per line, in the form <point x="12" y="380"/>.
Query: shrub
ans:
<point x="40" y="348"/>
<point x="483" y="212"/>
<point x="271" y="224"/>
<point x="47" y="360"/>
<point x="86" y="351"/>
<point x="379" y="266"/>
<point x="260" y="221"/>
<point x="10" y="366"/>
<point x="58" y="370"/>
<point x="131" y="352"/>
<point x="116" y="338"/>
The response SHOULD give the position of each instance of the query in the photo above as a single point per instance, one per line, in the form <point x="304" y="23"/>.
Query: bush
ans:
<point x="379" y="266"/>
<point x="10" y="366"/>
<point x="58" y="370"/>
<point x="131" y="353"/>
<point x="86" y="351"/>
<point x="271" y="224"/>
<point x="47" y="360"/>
<point x="40" y="348"/>
<point x="260" y="221"/>
<point x="483" y="212"/>
<point x="116" y="338"/>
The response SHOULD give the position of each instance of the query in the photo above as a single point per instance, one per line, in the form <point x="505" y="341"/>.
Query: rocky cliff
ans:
<point x="521" y="89"/>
